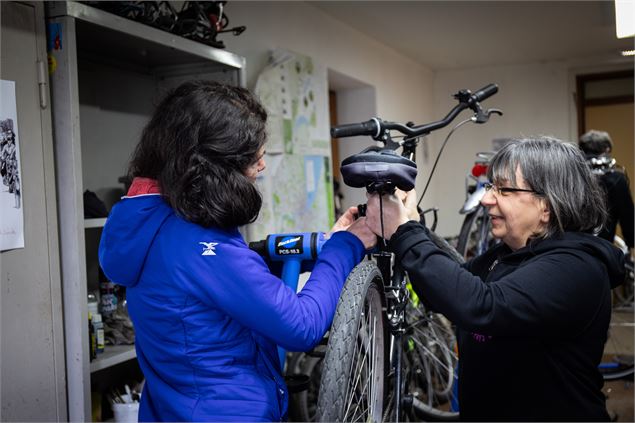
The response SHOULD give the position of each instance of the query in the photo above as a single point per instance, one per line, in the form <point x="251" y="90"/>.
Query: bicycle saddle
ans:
<point x="379" y="170"/>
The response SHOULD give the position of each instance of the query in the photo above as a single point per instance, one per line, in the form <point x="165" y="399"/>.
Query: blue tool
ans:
<point x="290" y="249"/>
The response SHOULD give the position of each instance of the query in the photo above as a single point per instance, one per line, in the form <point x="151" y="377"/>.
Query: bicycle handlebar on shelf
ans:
<point x="377" y="128"/>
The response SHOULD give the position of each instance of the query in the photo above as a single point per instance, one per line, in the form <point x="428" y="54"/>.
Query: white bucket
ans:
<point x="126" y="412"/>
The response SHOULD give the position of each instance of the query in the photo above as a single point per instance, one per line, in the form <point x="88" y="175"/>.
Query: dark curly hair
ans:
<point x="199" y="142"/>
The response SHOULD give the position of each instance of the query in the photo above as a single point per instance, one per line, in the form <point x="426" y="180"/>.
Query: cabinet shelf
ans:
<point x="95" y="223"/>
<point x="108" y="72"/>
<point x="138" y="44"/>
<point x="112" y="355"/>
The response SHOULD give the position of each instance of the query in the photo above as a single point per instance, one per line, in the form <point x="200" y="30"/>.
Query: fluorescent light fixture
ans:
<point x="628" y="53"/>
<point x="625" y="18"/>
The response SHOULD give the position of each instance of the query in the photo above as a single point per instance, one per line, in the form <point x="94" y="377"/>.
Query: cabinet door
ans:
<point x="32" y="349"/>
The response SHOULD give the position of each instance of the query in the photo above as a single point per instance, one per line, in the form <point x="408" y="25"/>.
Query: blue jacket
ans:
<point x="208" y="313"/>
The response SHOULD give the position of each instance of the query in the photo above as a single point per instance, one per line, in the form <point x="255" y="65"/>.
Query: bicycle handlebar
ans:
<point x="485" y="92"/>
<point x="370" y="127"/>
<point x="377" y="128"/>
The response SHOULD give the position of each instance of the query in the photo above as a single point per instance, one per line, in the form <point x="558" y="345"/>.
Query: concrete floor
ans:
<point x="619" y="393"/>
<point x="619" y="400"/>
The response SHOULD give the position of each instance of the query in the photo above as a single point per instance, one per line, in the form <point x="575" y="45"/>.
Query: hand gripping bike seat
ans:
<point x="379" y="170"/>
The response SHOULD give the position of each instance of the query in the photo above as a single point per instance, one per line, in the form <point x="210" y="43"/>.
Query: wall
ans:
<point x="391" y="85"/>
<point x="536" y="98"/>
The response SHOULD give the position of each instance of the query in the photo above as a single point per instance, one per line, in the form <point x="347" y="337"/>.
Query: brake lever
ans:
<point x="483" y="116"/>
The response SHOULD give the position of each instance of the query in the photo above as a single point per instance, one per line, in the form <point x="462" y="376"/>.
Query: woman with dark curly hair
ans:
<point x="532" y="312"/>
<point x="207" y="311"/>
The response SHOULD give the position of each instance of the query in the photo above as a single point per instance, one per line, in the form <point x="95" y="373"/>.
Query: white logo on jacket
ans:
<point x="209" y="248"/>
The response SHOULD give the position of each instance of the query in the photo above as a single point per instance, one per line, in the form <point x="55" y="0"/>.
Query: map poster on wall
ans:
<point x="11" y="213"/>
<point x="297" y="185"/>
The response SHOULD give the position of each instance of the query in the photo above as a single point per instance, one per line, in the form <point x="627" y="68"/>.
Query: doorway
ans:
<point x="605" y="103"/>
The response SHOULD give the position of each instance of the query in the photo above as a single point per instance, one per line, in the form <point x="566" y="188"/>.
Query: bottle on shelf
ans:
<point x="93" y="303"/>
<point x="108" y="297"/>
<point x="96" y="330"/>
<point x="92" y="340"/>
<point x="98" y="327"/>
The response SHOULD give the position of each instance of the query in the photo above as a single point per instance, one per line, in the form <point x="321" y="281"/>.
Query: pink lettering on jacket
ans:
<point x="480" y="338"/>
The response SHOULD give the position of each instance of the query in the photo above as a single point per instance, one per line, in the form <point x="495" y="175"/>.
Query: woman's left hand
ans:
<point x="349" y="221"/>
<point x="344" y="221"/>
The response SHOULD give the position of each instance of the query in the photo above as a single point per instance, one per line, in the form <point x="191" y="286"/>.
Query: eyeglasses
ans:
<point x="506" y="190"/>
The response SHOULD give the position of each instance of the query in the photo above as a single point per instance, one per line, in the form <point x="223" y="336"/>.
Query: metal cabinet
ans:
<point x="106" y="73"/>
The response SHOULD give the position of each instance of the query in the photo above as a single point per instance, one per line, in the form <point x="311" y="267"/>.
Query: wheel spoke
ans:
<point x="363" y="397"/>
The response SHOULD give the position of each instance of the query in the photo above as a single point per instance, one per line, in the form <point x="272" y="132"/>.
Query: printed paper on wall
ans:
<point x="11" y="211"/>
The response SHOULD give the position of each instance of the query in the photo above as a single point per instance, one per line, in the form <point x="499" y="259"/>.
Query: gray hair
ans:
<point x="556" y="171"/>
<point x="595" y="143"/>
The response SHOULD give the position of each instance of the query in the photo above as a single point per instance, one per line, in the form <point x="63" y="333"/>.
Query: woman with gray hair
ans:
<point x="532" y="312"/>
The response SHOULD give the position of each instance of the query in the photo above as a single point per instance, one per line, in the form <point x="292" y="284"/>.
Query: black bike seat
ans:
<point x="379" y="166"/>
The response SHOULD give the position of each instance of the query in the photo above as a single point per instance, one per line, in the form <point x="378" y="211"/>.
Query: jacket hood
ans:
<point x="571" y="242"/>
<point x="128" y="234"/>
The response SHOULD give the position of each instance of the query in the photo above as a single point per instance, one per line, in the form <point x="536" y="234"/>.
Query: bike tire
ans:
<point x="302" y="405"/>
<point x="352" y="383"/>
<point x="432" y="357"/>
<point x="474" y="237"/>
<point x="617" y="358"/>
<point x="431" y="371"/>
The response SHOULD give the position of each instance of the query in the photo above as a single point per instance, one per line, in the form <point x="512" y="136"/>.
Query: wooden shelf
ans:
<point x="135" y="43"/>
<point x="95" y="223"/>
<point x="112" y="355"/>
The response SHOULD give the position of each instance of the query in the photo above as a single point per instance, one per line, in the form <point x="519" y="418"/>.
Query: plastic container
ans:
<point x="126" y="412"/>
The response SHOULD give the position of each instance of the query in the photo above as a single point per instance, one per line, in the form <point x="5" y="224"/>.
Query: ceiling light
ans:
<point x="628" y="53"/>
<point x="624" y="18"/>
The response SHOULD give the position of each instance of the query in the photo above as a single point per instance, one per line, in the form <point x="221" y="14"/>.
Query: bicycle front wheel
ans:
<point x="431" y="357"/>
<point x="617" y="359"/>
<point x="352" y="385"/>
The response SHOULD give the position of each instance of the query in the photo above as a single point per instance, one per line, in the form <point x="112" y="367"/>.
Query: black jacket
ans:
<point x="620" y="206"/>
<point x="531" y="323"/>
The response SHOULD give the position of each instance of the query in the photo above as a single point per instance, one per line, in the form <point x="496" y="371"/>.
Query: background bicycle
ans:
<point x="474" y="236"/>
<point x="617" y="360"/>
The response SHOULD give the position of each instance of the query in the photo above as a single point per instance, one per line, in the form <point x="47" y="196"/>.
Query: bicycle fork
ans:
<point x="397" y="297"/>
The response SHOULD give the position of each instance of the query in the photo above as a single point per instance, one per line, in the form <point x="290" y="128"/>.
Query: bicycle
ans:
<point x="430" y="334"/>
<point x="389" y="358"/>
<point x="617" y="359"/>
<point x="474" y="236"/>
<point x="623" y="294"/>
